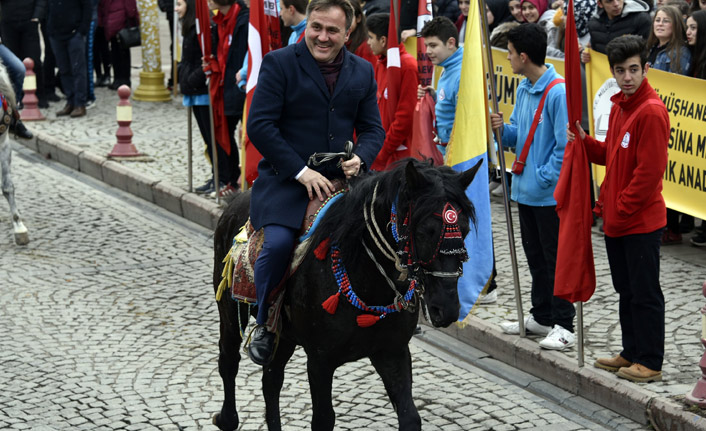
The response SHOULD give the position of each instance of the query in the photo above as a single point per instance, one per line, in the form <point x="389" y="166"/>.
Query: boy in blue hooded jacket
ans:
<point x="533" y="186"/>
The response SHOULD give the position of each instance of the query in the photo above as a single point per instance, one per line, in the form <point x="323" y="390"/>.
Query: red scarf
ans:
<point x="226" y="25"/>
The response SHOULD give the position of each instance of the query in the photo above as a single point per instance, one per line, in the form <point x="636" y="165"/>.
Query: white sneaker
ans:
<point x="490" y="298"/>
<point x="559" y="339"/>
<point x="531" y="327"/>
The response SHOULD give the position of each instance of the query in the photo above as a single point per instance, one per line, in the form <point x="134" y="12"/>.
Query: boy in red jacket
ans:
<point x="397" y="124"/>
<point x="633" y="210"/>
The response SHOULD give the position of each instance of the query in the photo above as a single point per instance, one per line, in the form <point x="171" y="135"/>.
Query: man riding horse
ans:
<point x="311" y="97"/>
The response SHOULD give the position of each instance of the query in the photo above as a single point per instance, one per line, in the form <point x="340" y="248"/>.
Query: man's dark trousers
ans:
<point x="634" y="267"/>
<point x="271" y="264"/>
<point x="71" y="59"/>
<point x="23" y="40"/>
<point x="539" y="227"/>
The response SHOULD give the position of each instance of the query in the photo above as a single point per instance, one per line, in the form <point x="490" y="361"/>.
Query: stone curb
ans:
<point x="188" y="205"/>
<point x="601" y="387"/>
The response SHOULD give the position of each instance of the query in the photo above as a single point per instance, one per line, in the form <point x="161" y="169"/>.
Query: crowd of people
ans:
<point x="74" y="45"/>
<point x="635" y="35"/>
<point x="81" y="41"/>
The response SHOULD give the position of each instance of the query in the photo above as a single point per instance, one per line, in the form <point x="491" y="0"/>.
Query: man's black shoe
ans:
<point x="20" y="130"/>
<point x="262" y="346"/>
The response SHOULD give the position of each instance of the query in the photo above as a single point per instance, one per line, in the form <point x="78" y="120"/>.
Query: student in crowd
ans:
<point x="397" y="125"/>
<point x="358" y="40"/>
<point x="515" y="8"/>
<point x="668" y="52"/>
<point x="496" y="11"/>
<point x="533" y="184"/>
<point x="633" y="209"/>
<point x="441" y="41"/>
<point x="229" y="49"/>
<point x="667" y="42"/>
<point x="537" y="11"/>
<point x="615" y="18"/>
<point x="696" y="38"/>
<point x="293" y="15"/>
<point x="698" y="5"/>
<point x="192" y="79"/>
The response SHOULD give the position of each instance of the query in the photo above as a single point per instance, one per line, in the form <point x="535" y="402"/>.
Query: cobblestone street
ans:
<point x="109" y="323"/>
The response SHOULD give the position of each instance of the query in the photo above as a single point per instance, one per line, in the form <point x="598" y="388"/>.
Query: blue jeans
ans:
<point x="15" y="68"/>
<point x="71" y="59"/>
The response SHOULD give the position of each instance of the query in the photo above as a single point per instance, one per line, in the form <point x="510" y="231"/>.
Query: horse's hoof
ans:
<point x="231" y="426"/>
<point x="22" y="238"/>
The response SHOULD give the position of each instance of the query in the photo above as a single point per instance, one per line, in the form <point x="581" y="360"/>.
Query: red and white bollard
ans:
<point x="124" y="147"/>
<point x="698" y="395"/>
<point x="30" y="112"/>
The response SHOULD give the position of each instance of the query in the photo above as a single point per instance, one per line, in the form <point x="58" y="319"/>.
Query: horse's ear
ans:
<point x="468" y="175"/>
<point x="414" y="178"/>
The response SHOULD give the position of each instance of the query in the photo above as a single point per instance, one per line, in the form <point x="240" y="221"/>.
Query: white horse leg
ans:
<point x="8" y="190"/>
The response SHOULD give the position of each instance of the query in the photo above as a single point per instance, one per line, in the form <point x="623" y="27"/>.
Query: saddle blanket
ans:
<point x="240" y="261"/>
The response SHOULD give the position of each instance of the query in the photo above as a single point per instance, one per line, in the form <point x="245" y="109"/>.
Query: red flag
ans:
<point x="263" y="37"/>
<point x="575" y="278"/>
<point x="394" y="71"/>
<point x="424" y="67"/>
<point x="422" y="145"/>
<point x="203" y="26"/>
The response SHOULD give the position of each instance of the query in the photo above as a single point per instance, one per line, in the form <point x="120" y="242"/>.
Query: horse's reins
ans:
<point x="318" y="159"/>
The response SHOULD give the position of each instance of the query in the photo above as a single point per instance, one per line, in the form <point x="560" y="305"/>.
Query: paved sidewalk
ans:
<point x="160" y="131"/>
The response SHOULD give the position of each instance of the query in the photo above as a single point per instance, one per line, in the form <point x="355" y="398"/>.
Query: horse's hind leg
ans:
<point x="8" y="190"/>
<point x="233" y="316"/>
<point x="395" y="369"/>
<point x="272" y="380"/>
<point x="320" y="382"/>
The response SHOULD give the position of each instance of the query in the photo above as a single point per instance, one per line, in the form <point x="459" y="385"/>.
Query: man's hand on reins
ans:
<point x="351" y="167"/>
<point x="315" y="182"/>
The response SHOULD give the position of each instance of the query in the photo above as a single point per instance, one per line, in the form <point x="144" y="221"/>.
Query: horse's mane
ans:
<point x="344" y="222"/>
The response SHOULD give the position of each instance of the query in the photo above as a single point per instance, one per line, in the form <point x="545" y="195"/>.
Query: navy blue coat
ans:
<point x="292" y="116"/>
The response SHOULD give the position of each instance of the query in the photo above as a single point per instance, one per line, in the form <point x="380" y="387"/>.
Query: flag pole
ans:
<point x="503" y="180"/>
<point x="189" y="164"/>
<point x="579" y="318"/>
<point x="175" y="27"/>
<point x="214" y="148"/>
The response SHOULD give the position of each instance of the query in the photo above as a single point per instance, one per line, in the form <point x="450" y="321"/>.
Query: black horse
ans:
<point x="397" y="237"/>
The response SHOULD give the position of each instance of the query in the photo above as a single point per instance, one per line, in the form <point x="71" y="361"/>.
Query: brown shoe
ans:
<point x="65" y="111"/>
<point x="612" y="364"/>
<point x="78" y="111"/>
<point x="640" y="374"/>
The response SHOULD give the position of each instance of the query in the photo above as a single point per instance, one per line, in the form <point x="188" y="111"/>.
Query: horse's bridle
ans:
<point x="406" y="248"/>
